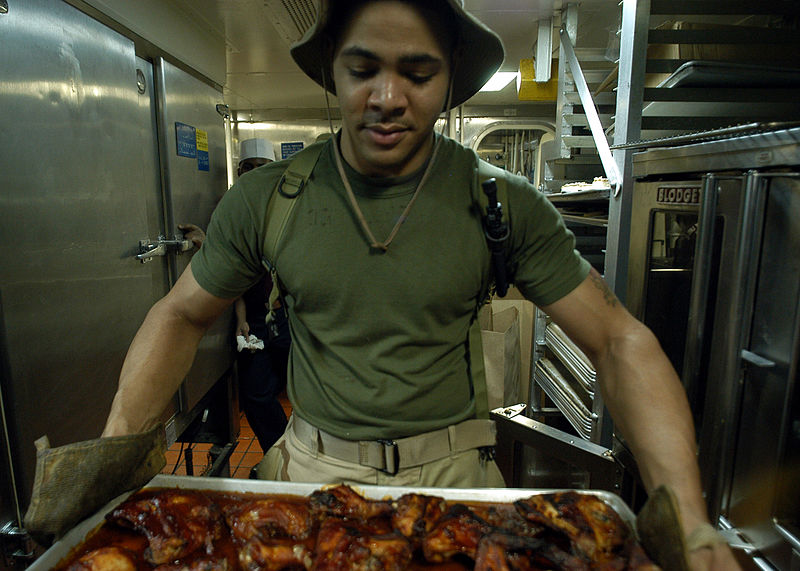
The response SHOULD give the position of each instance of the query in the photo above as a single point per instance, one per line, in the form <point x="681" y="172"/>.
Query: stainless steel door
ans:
<point x="88" y="170"/>
<point x="160" y="267"/>
<point x="749" y="434"/>
<point x="193" y="162"/>
<point x="761" y="500"/>
<point x="77" y="178"/>
<point x="718" y="241"/>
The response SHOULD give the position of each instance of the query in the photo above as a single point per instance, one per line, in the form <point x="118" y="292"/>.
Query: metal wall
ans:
<point x="81" y="186"/>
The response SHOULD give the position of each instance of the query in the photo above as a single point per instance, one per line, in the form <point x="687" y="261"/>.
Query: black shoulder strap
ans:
<point x="483" y="172"/>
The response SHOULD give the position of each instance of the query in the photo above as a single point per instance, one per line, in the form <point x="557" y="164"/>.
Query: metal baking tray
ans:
<point x="76" y="535"/>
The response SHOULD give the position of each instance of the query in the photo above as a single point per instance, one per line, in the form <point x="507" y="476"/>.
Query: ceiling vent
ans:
<point x="292" y="18"/>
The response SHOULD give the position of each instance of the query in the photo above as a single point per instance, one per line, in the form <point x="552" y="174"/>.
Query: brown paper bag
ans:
<point x="527" y="317"/>
<point x="501" y="355"/>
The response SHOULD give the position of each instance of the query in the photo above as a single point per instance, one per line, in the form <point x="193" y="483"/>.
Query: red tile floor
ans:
<point x="247" y="453"/>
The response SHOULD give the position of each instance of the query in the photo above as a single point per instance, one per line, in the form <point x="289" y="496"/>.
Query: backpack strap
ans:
<point x="483" y="172"/>
<point x="279" y="210"/>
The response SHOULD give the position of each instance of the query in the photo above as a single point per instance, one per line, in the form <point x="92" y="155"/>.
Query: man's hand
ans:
<point x="676" y="546"/>
<point x="240" y="309"/>
<point x="718" y="557"/>
<point x="193" y="233"/>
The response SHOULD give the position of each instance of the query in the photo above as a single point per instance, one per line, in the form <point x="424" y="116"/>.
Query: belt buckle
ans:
<point x="391" y="457"/>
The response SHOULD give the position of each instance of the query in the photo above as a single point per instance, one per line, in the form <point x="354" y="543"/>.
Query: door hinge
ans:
<point x="18" y="547"/>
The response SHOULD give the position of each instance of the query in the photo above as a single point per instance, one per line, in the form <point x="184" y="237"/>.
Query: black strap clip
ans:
<point x="497" y="231"/>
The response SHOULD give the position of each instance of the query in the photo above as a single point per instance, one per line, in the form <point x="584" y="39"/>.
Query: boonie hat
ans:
<point x="481" y="50"/>
<point x="256" y="149"/>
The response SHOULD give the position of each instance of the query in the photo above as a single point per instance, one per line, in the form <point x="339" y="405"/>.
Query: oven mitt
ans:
<point x="74" y="481"/>
<point x="661" y="534"/>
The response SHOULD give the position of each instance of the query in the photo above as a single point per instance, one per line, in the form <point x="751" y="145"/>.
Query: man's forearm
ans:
<point x="650" y="409"/>
<point x="157" y="361"/>
<point x="240" y="309"/>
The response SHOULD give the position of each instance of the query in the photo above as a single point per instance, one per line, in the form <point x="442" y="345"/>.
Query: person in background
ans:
<point x="254" y="153"/>
<point x="381" y="298"/>
<point x="261" y="373"/>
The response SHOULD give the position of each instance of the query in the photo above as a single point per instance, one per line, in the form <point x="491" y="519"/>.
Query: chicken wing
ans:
<point x="415" y="515"/>
<point x="595" y="531"/>
<point x="198" y="564"/>
<point x="457" y="532"/>
<point x="175" y="522"/>
<point x="274" y="555"/>
<point x="271" y="517"/>
<point x="106" y="559"/>
<point x="350" y="545"/>
<point x="344" y="501"/>
<point x="501" y="551"/>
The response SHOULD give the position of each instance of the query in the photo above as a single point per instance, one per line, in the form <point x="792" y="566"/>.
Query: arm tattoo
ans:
<point x="600" y="284"/>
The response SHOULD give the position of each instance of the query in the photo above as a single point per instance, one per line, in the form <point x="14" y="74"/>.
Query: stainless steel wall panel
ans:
<point x="72" y="167"/>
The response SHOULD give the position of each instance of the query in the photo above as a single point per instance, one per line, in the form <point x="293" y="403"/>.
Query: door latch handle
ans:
<point x="149" y="250"/>
<point x="756" y="360"/>
<point x="787" y="534"/>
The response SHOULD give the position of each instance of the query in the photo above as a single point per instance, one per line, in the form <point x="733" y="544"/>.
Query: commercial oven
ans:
<point x="715" y="272"/>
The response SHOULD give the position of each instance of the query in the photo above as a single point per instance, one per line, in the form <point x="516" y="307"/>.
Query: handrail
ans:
<point x="599" y="136"/>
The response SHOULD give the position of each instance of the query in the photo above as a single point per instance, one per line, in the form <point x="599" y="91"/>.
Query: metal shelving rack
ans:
<point x="644" y="107"/>
<point x="679" y="103"/>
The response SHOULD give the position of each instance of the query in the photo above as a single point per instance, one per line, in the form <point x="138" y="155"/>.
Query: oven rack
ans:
<point x="572" y="357"/>
<point x="565" y="397"/>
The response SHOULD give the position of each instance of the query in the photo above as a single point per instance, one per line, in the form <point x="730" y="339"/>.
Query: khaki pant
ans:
<point x="292" y="460"/>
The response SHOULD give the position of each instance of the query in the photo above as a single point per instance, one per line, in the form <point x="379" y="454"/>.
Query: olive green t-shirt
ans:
<point x="380" y="339"/>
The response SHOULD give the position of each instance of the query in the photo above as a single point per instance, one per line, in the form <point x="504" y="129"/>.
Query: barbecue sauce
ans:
<point x="494" y="521"/>
<point x="108" y="534"/>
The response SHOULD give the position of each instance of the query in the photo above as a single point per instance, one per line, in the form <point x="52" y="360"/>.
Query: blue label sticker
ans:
<point x="202" y="160"/>
<point x="288" y="149"/>
<point x="186" y="140"/>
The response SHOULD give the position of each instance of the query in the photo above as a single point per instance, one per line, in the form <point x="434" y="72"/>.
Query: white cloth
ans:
<point x="252" y="343"/>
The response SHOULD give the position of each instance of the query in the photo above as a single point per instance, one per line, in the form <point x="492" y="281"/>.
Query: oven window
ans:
<point x="672" y="238"/>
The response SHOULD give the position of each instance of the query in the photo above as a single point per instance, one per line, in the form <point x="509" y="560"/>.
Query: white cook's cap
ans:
<point x="256" y="148"/>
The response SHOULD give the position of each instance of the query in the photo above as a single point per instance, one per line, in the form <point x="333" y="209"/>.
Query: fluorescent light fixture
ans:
<point x="499" y="80"/>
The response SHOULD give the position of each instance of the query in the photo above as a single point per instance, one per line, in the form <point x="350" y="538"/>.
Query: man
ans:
<point x="261" y="373"/>
<point x="254" y="153"/>
<point x="383" y="266"/>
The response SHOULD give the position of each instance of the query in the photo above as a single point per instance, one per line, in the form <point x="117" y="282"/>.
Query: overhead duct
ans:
<point x="292" y="18"/>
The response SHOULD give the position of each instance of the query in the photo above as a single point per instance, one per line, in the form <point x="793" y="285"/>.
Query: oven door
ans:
<point x="750" y="438"/>
<point x="663" y="234"/>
